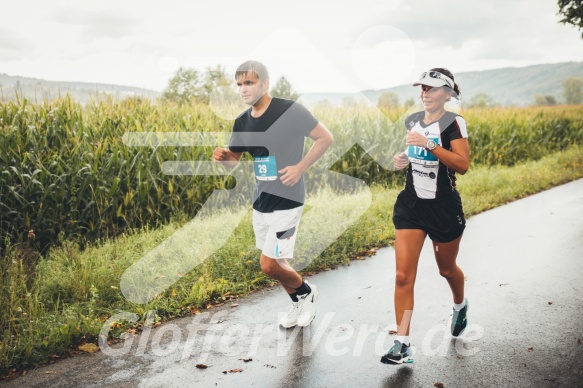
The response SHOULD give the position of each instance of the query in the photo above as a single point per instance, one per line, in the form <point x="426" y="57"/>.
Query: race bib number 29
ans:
<point x="265" y="168"/>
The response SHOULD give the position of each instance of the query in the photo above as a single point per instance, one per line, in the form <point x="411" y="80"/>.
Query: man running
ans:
<point x="273" y="132"/>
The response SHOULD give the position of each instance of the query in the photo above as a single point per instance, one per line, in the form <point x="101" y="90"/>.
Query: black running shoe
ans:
<point x="459" y="321"/>
<point x="398" y="354"/>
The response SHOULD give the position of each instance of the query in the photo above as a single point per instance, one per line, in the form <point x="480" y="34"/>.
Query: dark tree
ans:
<point x="283" y="89"/>
<point x="572" y="13"/>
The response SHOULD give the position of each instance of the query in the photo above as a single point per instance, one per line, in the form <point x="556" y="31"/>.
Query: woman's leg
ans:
<point x="408" y="245"/>
<point x="446" y="255"/>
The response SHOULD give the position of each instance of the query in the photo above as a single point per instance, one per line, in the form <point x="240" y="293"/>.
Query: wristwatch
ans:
<point x="431" y="145"/>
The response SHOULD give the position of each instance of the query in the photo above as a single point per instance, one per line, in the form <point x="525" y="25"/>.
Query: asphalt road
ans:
<point x="523" y="264"/>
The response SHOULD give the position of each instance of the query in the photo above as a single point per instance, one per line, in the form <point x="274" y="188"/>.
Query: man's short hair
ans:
<point x="254" y="66"/>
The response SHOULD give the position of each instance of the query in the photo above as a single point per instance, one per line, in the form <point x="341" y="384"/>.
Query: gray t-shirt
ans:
<point x="275" y="140"/>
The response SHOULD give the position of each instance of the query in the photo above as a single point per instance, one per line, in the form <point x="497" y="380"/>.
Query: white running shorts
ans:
<point x="275" y="233"/>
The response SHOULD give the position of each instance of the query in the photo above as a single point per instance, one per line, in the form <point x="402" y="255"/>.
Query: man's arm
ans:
<point x="226" y="157"/>
<point x="322" y="139"/>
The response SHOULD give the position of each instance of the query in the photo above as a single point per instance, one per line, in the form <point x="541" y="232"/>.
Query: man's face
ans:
<point x="250" y="88"/>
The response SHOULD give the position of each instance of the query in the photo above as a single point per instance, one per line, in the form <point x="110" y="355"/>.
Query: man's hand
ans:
<point x="220" y="154"/>
<point x="401" y="160"/>
<point x="228" y="158"/>
<point x="291" y="175"/>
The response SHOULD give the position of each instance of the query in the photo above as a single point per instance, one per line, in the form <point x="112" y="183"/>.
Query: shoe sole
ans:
<point x="395" y="362"/>
<point x="315" y="299"/>
<point x="307" y="324"/>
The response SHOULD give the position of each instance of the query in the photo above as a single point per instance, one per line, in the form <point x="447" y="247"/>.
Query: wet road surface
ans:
<point x="523" y="264"/>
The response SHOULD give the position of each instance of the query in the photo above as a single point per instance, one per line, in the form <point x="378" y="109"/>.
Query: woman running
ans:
<point x="430" y="205"/>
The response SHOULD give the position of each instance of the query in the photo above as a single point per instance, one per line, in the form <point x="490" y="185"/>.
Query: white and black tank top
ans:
<point x="427" y="177"/>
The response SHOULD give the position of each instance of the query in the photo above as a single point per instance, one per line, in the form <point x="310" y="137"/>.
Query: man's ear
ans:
<point x="266" y="85"/>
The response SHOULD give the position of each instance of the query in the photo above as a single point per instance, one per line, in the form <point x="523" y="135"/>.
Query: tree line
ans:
<point x="190" y="85"/>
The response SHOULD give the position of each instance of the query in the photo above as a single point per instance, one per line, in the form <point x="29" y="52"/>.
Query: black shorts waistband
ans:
<point x="411" y="199"/>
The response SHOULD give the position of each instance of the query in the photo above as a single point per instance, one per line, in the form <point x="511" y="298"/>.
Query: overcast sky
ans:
<point x="321" y="46"/>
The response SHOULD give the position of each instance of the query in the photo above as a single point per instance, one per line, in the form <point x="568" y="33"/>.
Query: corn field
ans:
<point x="65" y="171"/>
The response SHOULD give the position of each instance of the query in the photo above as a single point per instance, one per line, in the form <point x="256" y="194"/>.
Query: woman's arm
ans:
<point x="458" y="159"/>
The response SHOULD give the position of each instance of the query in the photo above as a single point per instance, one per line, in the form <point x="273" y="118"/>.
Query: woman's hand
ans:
<point x="401" y="160"/>
<point x="416" y="139"/>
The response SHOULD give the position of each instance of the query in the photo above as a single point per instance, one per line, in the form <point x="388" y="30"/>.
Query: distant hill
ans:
<point x="506" y="86"/>
<point x="39" y="89"/>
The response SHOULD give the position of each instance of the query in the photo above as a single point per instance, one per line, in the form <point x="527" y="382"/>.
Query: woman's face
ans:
<point x="434" y="98"/>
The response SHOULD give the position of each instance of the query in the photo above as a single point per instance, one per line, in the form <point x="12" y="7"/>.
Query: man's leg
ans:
<point x="303" y="295"/>
<point x="278" y="243"/>
<point x="280" y="270"/>
<point x="278" y="247"/>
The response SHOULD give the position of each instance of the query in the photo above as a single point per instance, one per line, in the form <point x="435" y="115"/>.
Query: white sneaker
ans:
<point x="307" y="306"/>
<point x="291" y="318"/>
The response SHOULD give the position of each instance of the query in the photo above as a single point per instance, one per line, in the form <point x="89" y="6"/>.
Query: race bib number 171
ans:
<point x="420" y="155"/>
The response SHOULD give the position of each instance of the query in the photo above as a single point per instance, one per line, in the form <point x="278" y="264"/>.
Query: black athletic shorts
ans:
<point x="442" y="219"/>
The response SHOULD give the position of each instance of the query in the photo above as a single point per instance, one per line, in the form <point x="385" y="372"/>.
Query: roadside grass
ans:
<point x="486" y="187"/>
<point x="74" y="291"/>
